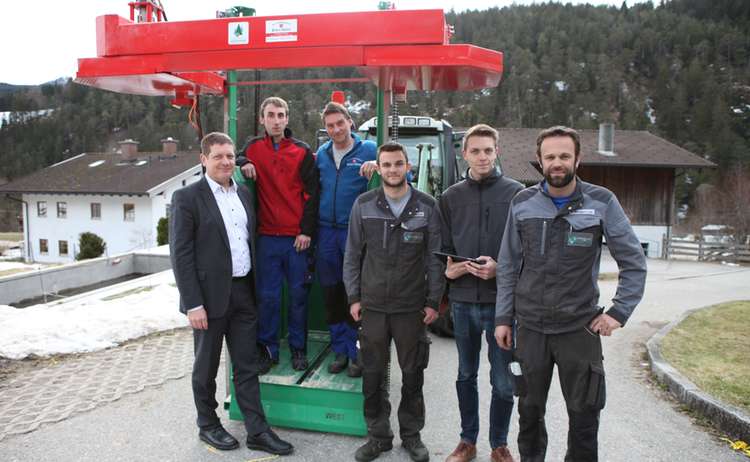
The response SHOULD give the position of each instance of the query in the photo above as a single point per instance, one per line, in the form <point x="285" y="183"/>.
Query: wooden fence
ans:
<point x="701" y="250"/>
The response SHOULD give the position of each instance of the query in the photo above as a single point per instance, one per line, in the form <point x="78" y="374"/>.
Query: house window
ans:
<point x="62" y="247"/>
<point x="128" y="212"/>
<point x="168" y="206"/>
<point x="41" y="209"/>
<point x="43" y="249"/>
<point x="96" y="211"/>
<point x="62" y="210"/>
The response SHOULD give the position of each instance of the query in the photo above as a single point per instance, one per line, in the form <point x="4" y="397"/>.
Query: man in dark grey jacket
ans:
<point x="394" y="283"/>
<point x="548" y="283"/>
<point x="474" y="214"/>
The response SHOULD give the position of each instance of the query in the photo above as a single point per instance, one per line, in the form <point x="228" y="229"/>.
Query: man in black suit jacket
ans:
<point x="211" y="240"/>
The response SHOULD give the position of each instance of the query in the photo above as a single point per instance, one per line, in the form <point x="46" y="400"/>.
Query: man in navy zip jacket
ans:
<point x="340" y="162"/>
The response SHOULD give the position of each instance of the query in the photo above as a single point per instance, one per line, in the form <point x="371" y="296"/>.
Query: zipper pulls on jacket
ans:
<point x="544" y="236"/>
<point x="335" y="190"/>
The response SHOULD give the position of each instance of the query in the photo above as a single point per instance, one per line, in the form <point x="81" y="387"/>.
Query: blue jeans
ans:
<point x="469" y="320"/>
<point x="277" y="260"/>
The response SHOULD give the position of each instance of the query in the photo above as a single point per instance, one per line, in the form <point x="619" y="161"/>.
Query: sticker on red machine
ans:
<point x="281" y="30"/>
<point x="239" y="33"/>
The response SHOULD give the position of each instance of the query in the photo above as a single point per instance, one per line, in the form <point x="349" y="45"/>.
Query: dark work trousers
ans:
<point x="412" y="347"/>
<point x="578" y="356"/>
<point x="330" y="260"/>
<point x="239" y="327"/>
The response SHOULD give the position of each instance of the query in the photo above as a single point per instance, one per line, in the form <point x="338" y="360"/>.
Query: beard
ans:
<point x="396" y="183"/>
<point x="558" y="182"/>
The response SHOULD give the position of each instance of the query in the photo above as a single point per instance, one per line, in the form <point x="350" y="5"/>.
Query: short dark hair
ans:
<point x="480" y="130"/>
<point x="335" y="108"/>
<point x="212" y="139"/>
<point x="276" y="101"/>
<point x="393" y="146"/>
<point x="558" y="130"/>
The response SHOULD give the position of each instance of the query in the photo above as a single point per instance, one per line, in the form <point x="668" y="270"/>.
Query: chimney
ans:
<point x="607" y="139"/>
<point x="129" y="149"/>
<point x="169" y="146"/>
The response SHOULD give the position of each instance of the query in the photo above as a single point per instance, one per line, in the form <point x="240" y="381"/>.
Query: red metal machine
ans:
<point x="396" y="50"/>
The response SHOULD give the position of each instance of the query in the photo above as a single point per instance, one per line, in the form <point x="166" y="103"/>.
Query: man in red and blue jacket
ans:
<point x="344" y="169"/>
<point x="287" y="188"/>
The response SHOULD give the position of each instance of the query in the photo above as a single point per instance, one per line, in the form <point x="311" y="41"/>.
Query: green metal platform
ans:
<point x="313" y="399"/>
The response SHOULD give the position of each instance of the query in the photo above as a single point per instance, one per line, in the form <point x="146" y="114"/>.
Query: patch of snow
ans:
<point x="650" y="111"/>
<point x="561" y="85"/>
<point x="5" y="116"/>
<point x="358" y="107"/>
<point x="93" y="322"/>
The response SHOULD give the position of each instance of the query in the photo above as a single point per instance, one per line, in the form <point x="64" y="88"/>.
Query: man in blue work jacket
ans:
<point x="345" y="164"/>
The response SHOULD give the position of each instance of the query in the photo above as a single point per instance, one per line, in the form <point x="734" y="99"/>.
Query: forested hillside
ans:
<point x="680" y="69"/>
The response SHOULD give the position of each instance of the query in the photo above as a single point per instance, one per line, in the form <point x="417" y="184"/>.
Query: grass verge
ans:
<point x="14" y="237"/>
<point x="710" y="348"/>
<point x="133" y="291"/>
<point x="8" y="272"/>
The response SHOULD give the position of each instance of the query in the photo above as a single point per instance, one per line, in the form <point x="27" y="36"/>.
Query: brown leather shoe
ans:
<point x="464" y="452"/>
<point x="501" y="454"/>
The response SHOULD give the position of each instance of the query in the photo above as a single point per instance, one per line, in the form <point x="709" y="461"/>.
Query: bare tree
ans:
<point x="734" y="195"/>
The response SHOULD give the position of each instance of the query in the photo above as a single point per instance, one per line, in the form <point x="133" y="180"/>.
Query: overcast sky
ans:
<point x="41" y="40"/>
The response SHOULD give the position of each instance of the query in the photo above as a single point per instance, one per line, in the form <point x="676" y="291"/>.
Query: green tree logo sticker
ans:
<point x="238" y="31"/>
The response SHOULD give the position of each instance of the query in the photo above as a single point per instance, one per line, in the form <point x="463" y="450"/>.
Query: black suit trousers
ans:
<point x="239" y="327"/>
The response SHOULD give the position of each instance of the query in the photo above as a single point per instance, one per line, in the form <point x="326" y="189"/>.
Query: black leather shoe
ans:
<point x="417" y="450"/>
<point x="372" y="450"/>
<point x="219" y="438"/>
<point x="268" y="441"/>
<point x="299" y="360"/>
<point x="354" y="369"/>
<point x="265" y="359"/>
<point x="338" y="364"/>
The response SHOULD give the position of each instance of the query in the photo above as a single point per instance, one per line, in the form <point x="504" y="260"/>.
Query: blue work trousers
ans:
<point x="470" y="321"/>
<point x="278" y="260"/>
<point x="329" y="263"/>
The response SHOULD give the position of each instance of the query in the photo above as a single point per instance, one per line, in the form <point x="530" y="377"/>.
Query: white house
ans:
<point x="120" y="197"/>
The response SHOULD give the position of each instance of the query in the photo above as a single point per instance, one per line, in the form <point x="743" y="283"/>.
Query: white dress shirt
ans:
<point x="235" y="221"/>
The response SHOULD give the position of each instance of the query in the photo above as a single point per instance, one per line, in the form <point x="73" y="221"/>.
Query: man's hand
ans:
<point x="485" y="271"/>
<point x="355" y="310"/>
<point x="301" y="242"/>
<point x="198" y="318"/>
<point x="249" y="171"/>
<point x="504" y="337"/>
<point x="368" y="168"/>
<point x="604" y="324"/>
<point x="430" y="315"/>
<point x="455" y="270"/>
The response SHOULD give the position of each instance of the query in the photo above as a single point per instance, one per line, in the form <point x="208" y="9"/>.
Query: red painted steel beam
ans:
<point x="250" y="83"/>
<point x="116" y="36"/>
<point x="396" y="50"/>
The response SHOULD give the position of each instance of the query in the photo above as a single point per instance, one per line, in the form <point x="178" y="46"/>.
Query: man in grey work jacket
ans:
<point x="474" y="215"/>
<point x="548" y="283"/>
<point x="394" y="283"/>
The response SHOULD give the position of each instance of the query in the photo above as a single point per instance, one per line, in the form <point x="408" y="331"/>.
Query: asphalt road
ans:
<point x="638" y="424"/>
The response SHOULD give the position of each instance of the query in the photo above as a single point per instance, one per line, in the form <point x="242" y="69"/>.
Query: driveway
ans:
<point x="155" y="422"/>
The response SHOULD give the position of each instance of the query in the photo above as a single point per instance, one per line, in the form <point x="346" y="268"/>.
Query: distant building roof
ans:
<point x="632" y="149"/>
<point x="102" y="173"/>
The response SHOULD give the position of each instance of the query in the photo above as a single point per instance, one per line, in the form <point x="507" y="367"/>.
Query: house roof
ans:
<point x="103" y="173"/>
<point x="632" y="149"/>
